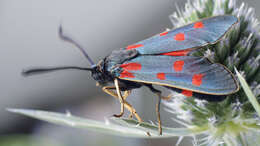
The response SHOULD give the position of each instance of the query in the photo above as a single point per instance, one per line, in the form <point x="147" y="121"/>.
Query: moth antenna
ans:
<point x="40" y="70"/>
<point x="70" y="40"/>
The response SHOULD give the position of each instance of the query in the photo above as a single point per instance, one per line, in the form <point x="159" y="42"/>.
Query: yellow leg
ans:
<point x="121" y="99"/>
<point x="126" y="94"/>
<point x="133" y="111"/>
<point x="158" y="113"/>
<point x="166" y="97"/>
<point x="109" y="90"/>
<point x="160" y="97"/>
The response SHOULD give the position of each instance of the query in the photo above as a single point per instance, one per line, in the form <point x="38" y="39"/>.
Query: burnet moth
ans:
<point x="163" y="60"/>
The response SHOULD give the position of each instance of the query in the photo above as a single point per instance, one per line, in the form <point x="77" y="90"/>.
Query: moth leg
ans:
<point x="126" y="94"/>
<point x="108" y="90"/>
<point x="158" y="93"/>
<point x="121" y="99"/>
<point x="133" y="111"/>
<point x="166" y="97"/>
<point x="158" y="113"/>
<point x="130" y="108"/>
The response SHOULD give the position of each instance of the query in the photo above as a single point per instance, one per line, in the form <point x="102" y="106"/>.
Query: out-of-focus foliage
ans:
<point x="26" y="140"/>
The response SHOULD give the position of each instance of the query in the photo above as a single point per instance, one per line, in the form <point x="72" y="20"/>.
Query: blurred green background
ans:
<point x="28" y="37"/>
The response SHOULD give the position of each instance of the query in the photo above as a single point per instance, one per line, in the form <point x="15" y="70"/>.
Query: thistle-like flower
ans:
<point x="233" y="121"/>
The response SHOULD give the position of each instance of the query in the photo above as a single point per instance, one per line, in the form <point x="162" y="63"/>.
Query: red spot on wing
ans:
<point x="186" y="93"/>
<point x="161" y="76"/>
<point x="177" y="53"/>
<point x="164" y="33"/>
<point x="198" y="25"/>
<point x="179" y="37"/>
<point x="131" y="66"/>
<point x="126" y="74"/>
<point x="197" y="79"/>
<point x="134" y="46"/>
<point x="178" y="65"/>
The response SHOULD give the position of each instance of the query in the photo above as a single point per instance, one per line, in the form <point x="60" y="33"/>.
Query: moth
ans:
<point x="164" y="60"/>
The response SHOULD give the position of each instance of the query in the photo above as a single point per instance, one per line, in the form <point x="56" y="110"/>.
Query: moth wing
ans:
<point x="182" y="72"/>
<point x="191" y="36"/>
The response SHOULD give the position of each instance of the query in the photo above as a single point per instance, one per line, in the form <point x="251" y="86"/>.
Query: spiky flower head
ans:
<point x="233" y="121"/>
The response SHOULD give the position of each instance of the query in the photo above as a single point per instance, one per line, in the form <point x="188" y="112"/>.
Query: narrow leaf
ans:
<point x="116" y="126"/>
<point x="248" y="92"/>
<point x="191" y="131"/>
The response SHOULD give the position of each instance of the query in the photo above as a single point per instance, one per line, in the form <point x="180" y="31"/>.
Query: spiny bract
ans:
<point x="233" y="121"/>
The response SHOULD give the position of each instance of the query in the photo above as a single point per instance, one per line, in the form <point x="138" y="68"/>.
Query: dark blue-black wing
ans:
<point x="191" y="36"/>
<point x="183" y="72"/>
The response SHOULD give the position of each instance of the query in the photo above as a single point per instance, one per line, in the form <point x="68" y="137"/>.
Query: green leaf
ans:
<point x="248" y="92"/>
<point x="115" y="126"/>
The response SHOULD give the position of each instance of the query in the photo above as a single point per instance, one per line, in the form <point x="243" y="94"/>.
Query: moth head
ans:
<point x="100" y="74"/>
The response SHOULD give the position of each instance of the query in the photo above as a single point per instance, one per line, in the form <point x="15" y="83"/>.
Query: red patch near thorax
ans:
<point x="126" y="74"/>
<point x="178" y="65"/>
<point x="186" y="93"/>
<point x="134" y="46"/>
<point x="131" y="66"/>
<point x="179" y="37"/>
<point x="161" y="76"/>
<point x="197" y="79"/>
<point x="198" y="25"/>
